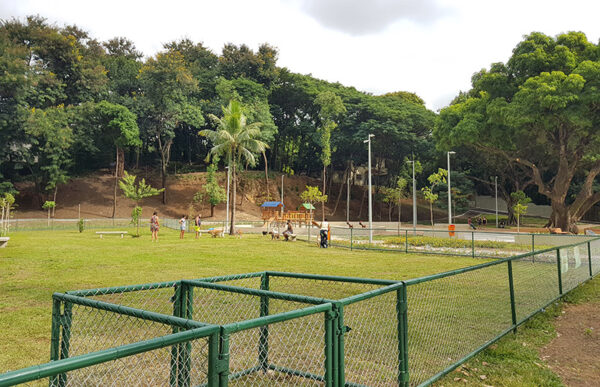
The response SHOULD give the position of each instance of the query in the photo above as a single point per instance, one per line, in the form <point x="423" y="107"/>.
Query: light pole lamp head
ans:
<point x="451" y="152"/>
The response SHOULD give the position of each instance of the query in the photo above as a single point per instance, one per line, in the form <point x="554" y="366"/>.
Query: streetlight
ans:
<point x="368" y="140"/>
<point x="496" y="189"/>
<point x="348" y="199"/>
<point x="227" y="211"/>
<point x="449" y="197"/>
<point x="414" y="194"/>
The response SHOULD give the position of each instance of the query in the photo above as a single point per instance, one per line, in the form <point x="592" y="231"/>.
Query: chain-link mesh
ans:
<point x="224" y="307"/>
<point x="94" y="329"/>
<point x="241" y="280"/>
<point x="463" y="243"/>
<point x="574" y="266"/>
<point x="450" y="317"/>
<point x="150" y="368"/>
<point x="333" y="290"/>
<point x="535" y="280"/>
<point x="159" y="300"/>
<point x="371" y="344"/>
<point x="295" y="355"/>
<point x="595" y="253"/>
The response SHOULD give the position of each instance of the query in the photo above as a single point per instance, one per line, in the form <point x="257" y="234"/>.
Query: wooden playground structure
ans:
<point x="274" y="212"/>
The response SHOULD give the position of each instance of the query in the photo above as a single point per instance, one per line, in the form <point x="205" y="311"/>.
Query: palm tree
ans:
<point x="236" y="140"/>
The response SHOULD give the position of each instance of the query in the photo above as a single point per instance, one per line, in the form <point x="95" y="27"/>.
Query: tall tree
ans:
<point x="167" y="87"/>
<point x="236" y="140"/>
<point x="539" y="110"/>
<point x="47" y="155"/>
<point x="331" y="107"/>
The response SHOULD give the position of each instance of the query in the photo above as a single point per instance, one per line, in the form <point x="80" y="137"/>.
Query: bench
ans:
<point x="101" y="233"/>
<point x="4" y="241"/>
<point x="216" y="233"/>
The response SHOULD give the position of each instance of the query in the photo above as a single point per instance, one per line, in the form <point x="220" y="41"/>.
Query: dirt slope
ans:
<point x="95" y="195"/>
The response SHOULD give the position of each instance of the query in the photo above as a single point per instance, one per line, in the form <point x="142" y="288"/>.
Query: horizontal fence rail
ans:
<point x="278" y="328"/>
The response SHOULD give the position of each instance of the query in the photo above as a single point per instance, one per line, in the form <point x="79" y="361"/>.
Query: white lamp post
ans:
<point x="449" y="195"/>
<point x="496" y="189"/>
<point x="282" y="197"/>
<point x="368" y="140"/>
<point x="414" y="192"/>
<point x="227" y="211"/>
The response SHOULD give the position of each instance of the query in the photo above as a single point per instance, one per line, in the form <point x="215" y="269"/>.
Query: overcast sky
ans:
<point x="430" y="47"/>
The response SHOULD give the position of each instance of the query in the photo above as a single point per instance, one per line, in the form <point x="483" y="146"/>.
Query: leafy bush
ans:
<point x="81" y="224"/>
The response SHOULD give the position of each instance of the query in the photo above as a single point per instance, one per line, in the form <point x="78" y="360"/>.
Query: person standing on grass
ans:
<point x="182" y="226"/>
<point x="154" y="226"/>
<point x="324" y="229"/>
<point x="197" y="224"/>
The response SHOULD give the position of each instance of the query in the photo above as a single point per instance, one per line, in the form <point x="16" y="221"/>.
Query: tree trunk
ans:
<point x="120" y="161"/>
<point x="324" y="185"/>
<point x="390" y="206"/>
<point x="362" y="201"/>
<point x="266" y="177"/>
<point x="399" y="214"/>
<point x="233" y="193"/>
<point x="116" y="184"/>
<point x="337" y="201"/>
<point x="431" y="213"/>
<point x="212" y="210"/>
<point x="165" y="155"/>
<point x="54" y="200"/>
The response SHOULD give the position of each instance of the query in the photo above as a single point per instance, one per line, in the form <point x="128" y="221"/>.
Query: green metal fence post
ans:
<point x="175" y="348"/>
<point x="560" y="287"/>
<point x="223" y="364"/>
<point x="340" y="331"/>
<point x="513" y="310"/>
<point x="213" y="359"/>
<point x="55" y="332"/>
<point x="263" y="343"/>
<point x="590" y="258"/>
<point x="473" y="244"/>
<point x="402" y="314"/>
<point x="55" y="336"/>
<point x="66" y="320"/>
<point x="329" y="345"/>
<point x="185" y="349"/>
<point x="406" y="241"/>
<point x="532" y="243"/>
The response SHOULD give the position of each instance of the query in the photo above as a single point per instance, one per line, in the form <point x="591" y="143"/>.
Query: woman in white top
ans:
<point x="182" y="225"/>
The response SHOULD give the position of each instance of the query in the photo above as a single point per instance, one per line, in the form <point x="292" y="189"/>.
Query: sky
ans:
<point x="429" y="47"/>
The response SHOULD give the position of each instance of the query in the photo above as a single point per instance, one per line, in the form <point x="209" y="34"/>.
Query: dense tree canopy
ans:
<point x="60" y="83"/>
<point x="537" y="113"/>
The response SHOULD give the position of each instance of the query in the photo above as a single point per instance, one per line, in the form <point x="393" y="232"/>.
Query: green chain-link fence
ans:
<point x="273" y="328"/>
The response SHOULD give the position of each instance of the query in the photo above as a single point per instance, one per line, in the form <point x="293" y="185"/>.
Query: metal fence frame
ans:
<point x="335" y="314"/>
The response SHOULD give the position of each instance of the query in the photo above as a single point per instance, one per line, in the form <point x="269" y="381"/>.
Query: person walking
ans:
<point x="197" y="224"/>
<point x="182" y="226"/>
<point x="154" y="226"/>
<point x="324" y="232"/>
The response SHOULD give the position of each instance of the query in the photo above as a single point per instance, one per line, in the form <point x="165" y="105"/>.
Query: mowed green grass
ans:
<point x="36" y="264"/>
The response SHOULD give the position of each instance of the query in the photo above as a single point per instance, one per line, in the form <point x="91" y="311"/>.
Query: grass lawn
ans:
<point x="36" y="264"/>
<point x="447" y="317"/>
<point x="514" y="360"/>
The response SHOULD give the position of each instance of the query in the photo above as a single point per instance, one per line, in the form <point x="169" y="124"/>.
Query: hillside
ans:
<point x="95" y="192"/>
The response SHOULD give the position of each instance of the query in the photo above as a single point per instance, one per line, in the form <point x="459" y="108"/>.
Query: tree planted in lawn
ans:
<point x="434" y="179"/>
<point x="520" y="208"/>
<point x="237" y="140"/>
<point x="136" y="192"/>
